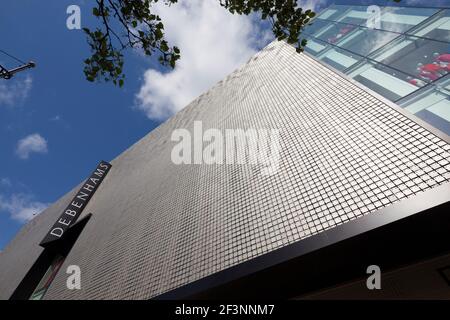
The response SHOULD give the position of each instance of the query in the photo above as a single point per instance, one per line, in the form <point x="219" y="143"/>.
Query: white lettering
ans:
<point x="77" y="204"/>
<point x="181" y="153"/>
<point x="374" y="281"/>
<point x="73" y="21"/>
<point x="74" y="280"/>
<point x="57" y="232"/>
<point x="89" y="187"/>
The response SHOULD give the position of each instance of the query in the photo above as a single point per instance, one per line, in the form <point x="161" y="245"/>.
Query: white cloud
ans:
<point x="21" y="207"/>
<point x="313" y="5"/>
<point x="32" y="143"/>
<point x="213" y="43"/>
<point x="5" y="182"/>
<point x="14" y="91"/>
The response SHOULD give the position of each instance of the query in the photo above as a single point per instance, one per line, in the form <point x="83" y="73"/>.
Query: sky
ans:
<point x="55" y="126"/>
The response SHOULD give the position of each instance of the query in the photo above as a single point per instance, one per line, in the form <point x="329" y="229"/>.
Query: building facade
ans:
<point x="402" y="53"/>
<point x="363" y="179"/>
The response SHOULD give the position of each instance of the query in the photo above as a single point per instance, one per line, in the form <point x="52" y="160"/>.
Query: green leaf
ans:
<point x="158" y="34"/>
<point x="164" y="47"/>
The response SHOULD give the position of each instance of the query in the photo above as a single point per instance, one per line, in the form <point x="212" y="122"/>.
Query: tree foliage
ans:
<point x="127" y="24"/>
<point x="286" y="18"/>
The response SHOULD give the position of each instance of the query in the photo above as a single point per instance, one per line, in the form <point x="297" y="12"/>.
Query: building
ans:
<point x="404" y="54"/>
<point x="363" y="179"/>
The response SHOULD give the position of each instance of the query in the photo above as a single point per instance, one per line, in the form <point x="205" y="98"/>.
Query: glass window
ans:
<point x="315" y="46"/>
<point x="44" y="284"/>
<point x="432" y="106"/>
<point x="423" y="59"/>
<point x="328" y="13"/>
<point x="437" y="28"/>
<point x="388" y="82"/>
<point x="339" y="59"/>
<point x="335" y="32"/>
<point x="401" y="19"/>
<point x="357" y="15"/>
<point x="316" y="27"/>
<point x="365" y="41"/>
<point x="333" y="12"/>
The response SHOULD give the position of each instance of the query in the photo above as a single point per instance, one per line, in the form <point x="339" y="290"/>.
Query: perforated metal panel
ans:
<point x="157" y="226"/>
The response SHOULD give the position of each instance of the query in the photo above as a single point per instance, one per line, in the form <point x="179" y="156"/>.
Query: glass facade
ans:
<point x="399" y="52"/>
<point x="44" y="284"/>
<point x="431" y="104"/>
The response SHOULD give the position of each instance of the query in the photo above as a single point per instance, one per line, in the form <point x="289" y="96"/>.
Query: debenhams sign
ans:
<point x="78" y="203"/>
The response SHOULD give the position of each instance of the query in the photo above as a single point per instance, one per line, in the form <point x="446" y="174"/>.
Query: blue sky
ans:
<point x="55" y="126"/>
